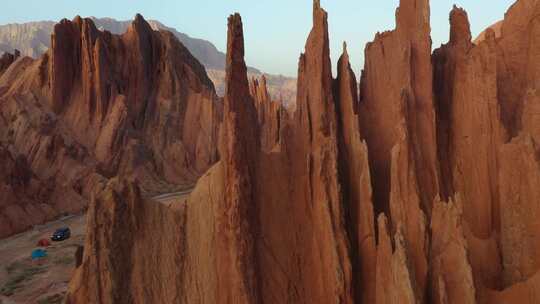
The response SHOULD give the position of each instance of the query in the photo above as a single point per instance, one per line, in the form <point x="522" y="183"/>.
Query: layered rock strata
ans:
<point x="422" y="189"/>
<point x="98" y="105"/>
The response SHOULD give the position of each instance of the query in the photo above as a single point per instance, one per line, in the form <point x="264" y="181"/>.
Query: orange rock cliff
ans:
<point x="419" y="185"/>
<point x="98" y="105"/>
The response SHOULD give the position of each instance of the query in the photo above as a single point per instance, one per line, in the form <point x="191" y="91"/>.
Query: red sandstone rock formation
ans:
<point x="470" y="126"/>
<point x="355" y="181"/>
<point x="485" y="94"/>
<point x="25" y="200"/>
<point x="398" y="69"/>
<point x="270" y="113"/>
<point x="451" y="272"/>
<point x="99" y="105"/>
<point x="239" y="147"/>
<point x="140" y="102"/>
<point x="299" y="255"/>
<point x="496" y="27"/>
<point x="7" y="59"/>
<point x="291" y="218"/>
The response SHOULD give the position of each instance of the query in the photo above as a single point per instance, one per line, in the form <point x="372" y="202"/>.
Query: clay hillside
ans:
<point x="33" y="39"/>
<point x="96" y="106"/>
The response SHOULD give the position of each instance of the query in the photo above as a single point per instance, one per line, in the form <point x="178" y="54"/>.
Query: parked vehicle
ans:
<point x="61" y="234"/>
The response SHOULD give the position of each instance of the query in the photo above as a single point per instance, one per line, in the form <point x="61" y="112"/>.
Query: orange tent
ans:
<point x="43" y="243"/>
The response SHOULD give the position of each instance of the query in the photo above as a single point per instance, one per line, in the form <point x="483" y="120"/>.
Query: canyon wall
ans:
<point x="99" y="105"/>
<point x="419" y="187"/>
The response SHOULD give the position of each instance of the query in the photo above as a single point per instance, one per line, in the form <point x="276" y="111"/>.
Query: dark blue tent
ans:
<point x="38" y="254"/>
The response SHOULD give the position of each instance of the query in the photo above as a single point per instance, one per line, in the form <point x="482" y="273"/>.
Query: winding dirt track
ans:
<point x="169" y="198"/>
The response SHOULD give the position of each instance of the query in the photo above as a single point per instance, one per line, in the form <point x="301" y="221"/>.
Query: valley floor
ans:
<point x="25" y="281"/>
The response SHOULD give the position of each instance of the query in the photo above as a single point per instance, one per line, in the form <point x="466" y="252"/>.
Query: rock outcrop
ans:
<point x="396" y="86"/>
<point x="288" y="213"/>
<point x="269" y="112"/>
<point x="355" y="181"/>
<point x="25" y="200"/>
<point x="253" y="256"/>
<point x="519" y="192"/>
<point x="7" y="59"/>
<point x="98" y="105"/>
<point x="134" y="90"/>
<point x="451" y="272"/>
<point x="470" y="125"/>
<point x="487" y="128"/>
<point x="33" y="40"/>
<point x="496" y="27"/>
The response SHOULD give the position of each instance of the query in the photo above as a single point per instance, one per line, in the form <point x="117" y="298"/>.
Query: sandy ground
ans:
<point x="45" y="282"/>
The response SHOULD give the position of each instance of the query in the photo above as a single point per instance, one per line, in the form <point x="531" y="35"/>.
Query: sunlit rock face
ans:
<point x="422" y="188"/>
<point x="99" y="105"/>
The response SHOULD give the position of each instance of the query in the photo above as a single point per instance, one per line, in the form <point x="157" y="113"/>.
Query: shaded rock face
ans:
<point x="142" y="90"/>
<point x="123" y="218"/>
<point x="396" y="86"/>
<point x="470" y="126"/>
<point x="246" y="193"/>
<point x="7" y="59"/>
<point x="270" y="113"/>
<point x="486" y="100"/>
<point x="33" y="39"/>
<point x="97" y="105"/>
<point x="25" y="200"/>
<point x="288" y="214"/>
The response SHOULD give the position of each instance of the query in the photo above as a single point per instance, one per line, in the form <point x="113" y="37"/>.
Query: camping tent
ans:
<point x="43" y="243"/>
<point x="39" y="254"/>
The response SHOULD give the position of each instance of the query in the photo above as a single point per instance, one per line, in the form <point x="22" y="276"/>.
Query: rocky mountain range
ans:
<point x="33" y="39"/>
<point x="423" y="188"/>
<point x="98" y="105"/>
<point x="417" y="182"/>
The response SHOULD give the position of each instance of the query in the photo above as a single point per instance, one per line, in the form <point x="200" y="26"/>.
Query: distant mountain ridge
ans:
<point x="33" y="39"/>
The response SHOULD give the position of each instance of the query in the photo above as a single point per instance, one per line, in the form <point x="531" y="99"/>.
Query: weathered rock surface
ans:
<point x="171" y="115"/>
<point x="280" y="88"/>
<point x="7" y="59"/>
<point x="355" y="182"/>
<point x="520" y="226"/>
<point x="288" y="213"/>
<point x="120" y="220"/>
<point x="398" y="70"/>
<point x="33" y="40"/>
<point x="97" y="105"/>
<point x="517" y="61"/>
<point x="470" y="122"/>
<point x="25" y="200"/>
<point x="394" y="281"/>
<point x="269" y="112"/>
<point x="451" y="273"/>
<point x="248" y="234"/>
<point x="486" y="94"/>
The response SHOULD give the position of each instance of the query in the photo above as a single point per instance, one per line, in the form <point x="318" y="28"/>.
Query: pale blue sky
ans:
<point x="275" y="30"/>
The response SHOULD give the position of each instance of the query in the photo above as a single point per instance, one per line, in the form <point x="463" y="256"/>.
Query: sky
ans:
<point x="275" y="31"/>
